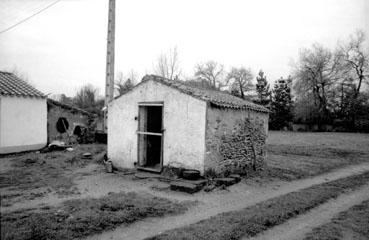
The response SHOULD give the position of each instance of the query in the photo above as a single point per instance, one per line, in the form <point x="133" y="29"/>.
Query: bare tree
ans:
<point x="316" y="73"/>
<point x="168" y="65"/>
<point x="124" y="84"/>
<point x="240" y="81"/>
<point x="355" y="59"/>
<point x="210" y="72"/>
<point x="86" y="98"/>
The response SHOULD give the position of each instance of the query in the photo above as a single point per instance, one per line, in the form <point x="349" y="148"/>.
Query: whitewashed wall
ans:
<point x="23" y="124"/>
<point x="184" y="124"/>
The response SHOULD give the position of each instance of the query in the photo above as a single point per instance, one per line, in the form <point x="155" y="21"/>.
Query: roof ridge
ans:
<point x="215" y="97"/>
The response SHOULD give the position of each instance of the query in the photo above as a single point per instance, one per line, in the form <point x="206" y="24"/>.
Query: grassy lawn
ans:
<point x="255" y="219"/>
<point x="43" y="172"/>
<point x="350" y="224"/>
<point x="295" y="155"/>
<point x="83" y="217"/>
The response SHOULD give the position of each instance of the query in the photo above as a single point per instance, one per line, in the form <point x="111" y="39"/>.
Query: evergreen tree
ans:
<point x="262" y="89"/>
<point x="281" y="105"/>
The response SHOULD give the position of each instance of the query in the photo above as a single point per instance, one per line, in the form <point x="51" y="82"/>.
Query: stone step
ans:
<point x="199" y="182"/>
<point x="184" y="186"/>
<point x="191" y="174"/>
<point x="144" y="175"/>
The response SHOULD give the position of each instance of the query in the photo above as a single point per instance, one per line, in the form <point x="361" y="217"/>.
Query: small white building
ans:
<point x="23" y="115"/>
<point x="164" y="123"/>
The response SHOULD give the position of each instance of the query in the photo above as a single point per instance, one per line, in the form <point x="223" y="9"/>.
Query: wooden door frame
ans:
<point x="149" y="104"/>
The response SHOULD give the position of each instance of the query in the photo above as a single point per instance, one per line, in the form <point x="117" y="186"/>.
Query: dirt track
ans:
<point x="238" y="197"/>
<point x="296" y="228"/>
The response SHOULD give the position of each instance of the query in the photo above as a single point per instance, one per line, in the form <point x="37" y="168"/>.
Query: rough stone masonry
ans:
<point x="235" y="141"/>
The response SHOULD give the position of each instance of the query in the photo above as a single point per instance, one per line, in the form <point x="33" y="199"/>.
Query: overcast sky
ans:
<point x="64" y="47"/>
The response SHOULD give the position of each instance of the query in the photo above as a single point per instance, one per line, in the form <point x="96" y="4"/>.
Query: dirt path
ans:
<point x="296" y="228"/>
<point x="238" y="197"/>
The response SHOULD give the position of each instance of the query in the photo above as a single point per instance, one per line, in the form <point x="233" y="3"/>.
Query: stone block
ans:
<point x="235" y="177"/>
<point x="224" y="181"/>
<point x="191" y="174"/>
<point x="199" y="182"/>
<point x="184" y="187"/>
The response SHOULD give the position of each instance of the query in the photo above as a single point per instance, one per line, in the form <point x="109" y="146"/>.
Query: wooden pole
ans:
<point x="109" y="81"/>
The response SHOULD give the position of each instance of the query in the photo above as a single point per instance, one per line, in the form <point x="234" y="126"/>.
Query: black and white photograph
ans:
<point x="184" y="120"/>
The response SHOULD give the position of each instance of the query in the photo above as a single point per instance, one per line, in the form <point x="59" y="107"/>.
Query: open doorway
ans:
<point x="150" y="136"/>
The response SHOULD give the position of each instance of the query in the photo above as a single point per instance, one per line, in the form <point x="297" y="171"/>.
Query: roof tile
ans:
<point x="11" y="85"/>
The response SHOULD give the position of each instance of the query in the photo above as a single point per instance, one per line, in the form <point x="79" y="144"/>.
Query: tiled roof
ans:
<point x="214" y="97"/>
<point x="11" y="85"/>
<point x="52" y="102"/>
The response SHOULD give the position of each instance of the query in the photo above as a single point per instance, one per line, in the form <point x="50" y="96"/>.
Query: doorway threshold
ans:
<point x="148" y="169"/>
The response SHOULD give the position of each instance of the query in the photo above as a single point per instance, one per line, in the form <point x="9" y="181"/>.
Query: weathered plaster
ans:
<point x="184" y="124"/>
<point x="23" y="122"/>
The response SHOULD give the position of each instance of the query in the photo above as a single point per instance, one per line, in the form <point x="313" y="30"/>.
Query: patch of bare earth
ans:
<point x="255" y="219"/>
<point x="30" y="176"/>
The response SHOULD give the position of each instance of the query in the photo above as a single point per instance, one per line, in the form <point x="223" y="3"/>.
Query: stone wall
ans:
<point x="235" y="140"/>
<point x="73" y="117"/>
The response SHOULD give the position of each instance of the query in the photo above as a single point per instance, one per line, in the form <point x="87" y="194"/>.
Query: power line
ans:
<point x="27" y="18"/>
<point x="12" y="13"/>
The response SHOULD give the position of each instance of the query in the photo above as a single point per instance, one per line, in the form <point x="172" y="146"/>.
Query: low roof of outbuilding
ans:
<point x="52" y="102"/>
<point x="11" y="85"/>
<point x="216" y="98"/>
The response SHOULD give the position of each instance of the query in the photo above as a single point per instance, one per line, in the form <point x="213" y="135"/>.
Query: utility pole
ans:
<point x="109" y="84"/>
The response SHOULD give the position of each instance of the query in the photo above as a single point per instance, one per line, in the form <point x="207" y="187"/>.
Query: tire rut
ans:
<point x="297" y="227"/>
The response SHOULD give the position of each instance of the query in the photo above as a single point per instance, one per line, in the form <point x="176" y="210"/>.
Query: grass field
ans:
<point x="82" y="217"/>
<point x="295" y="155"/>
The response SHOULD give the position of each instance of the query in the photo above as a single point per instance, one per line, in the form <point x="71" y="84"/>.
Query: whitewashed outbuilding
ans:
<point x="164" y="123"/>
<point x="23" y="115"/>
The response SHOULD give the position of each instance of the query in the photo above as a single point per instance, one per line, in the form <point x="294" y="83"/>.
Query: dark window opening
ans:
<point x="150" y="119"/>
<point x="154" y="115"/>
<point x="62" y="125"/>
<point x="77" y="131"/>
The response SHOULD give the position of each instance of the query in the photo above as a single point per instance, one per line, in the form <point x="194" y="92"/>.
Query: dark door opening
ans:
<point x="150" y="136"/>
